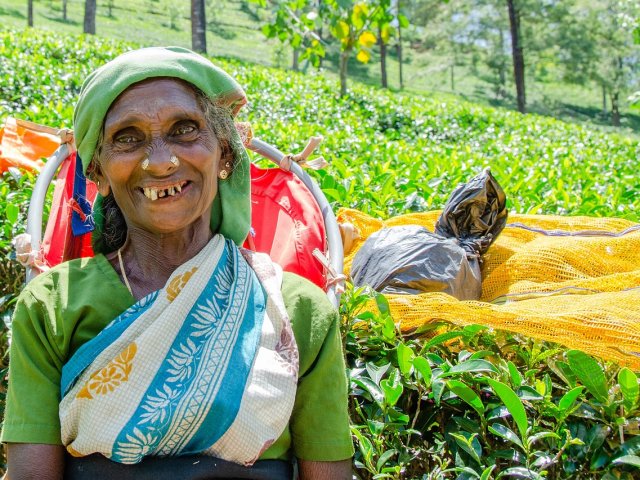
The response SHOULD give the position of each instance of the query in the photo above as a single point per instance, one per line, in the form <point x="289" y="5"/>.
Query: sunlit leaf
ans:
<point x="629" y="386"/>
<point x="506" y="433"/>
<point x="467" y="394"/>
<point x="589" y="373"/>
<point x="569" y="398"/>
<point x="513" y="403"/>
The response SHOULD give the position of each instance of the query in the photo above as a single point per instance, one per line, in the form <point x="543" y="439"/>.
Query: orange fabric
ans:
<point x="23" y="144"/>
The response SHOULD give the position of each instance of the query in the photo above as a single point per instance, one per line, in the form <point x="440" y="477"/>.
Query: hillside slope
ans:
<point x="389" y="152"/>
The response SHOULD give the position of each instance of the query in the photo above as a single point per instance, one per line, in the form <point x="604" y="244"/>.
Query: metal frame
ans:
<point x="334" y="240"/>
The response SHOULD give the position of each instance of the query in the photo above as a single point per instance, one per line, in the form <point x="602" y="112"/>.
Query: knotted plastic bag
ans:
<point x="412" y="260"/>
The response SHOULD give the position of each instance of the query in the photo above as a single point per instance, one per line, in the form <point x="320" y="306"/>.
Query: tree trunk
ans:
<point x="30" y="13"/>
<point x="110" y="8"/>
<point x="453" y="77"/>
<point x="501" y="91"/>
<point x="295" y="65"/>
<point x="518" y="56"/>
<point x="399" y="53"/>
<point x="604" y="99"/>
<point x="64" y="10"/>
<point x="198" y="26"/>
<point x="383" y="60"/>
<point x="90" y="17"/>
<point x="344" y="59"/>
<point x="319" y="32"/>
<point x="615" y="109"/>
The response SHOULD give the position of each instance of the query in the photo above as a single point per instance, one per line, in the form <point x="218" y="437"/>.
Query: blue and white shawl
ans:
<point x="206" y="365"/>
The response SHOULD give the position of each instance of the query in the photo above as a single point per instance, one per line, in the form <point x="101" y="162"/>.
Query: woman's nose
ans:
<point x="161" y="161"/>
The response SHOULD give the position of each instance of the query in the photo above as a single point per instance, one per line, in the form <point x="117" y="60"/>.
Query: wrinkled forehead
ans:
<point x="157" y="93"/>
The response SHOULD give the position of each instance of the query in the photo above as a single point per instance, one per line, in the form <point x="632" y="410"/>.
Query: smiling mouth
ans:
<point x="154" y="193"/>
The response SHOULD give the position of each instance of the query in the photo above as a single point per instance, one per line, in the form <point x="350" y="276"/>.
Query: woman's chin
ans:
<point x="167" y="222"/>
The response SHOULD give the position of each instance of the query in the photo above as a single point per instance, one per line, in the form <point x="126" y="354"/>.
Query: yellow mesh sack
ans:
<point x="570" y="280"/>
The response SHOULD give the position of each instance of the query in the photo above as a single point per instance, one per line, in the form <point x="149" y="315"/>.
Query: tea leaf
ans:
<point x="421" y="364"/>
<point x="12" y="211"/>
<point x="513" y="403"/>
<point x="467" y="394"/>
<point x="370" y="387"/>
<point x="392" y="388"/>
<point x="506" y="433"/>
<point x="569" y="398"/>
<point x="516" y="378"/>
<point x="541" y="435"/>
<point x="629" y="387"/>
<point x="405" y="358"/>
<point x="627" y="460"/>
<point x="438" y="339"/>
<point x="471" y="366"/>
<point x="469" y="444"/>
<point x="589" y="373"/>
<point x="487" y="472"/>
<point x="520" y="472"/>
<point x="377" y="372"/>
<point x="385" y="457"/>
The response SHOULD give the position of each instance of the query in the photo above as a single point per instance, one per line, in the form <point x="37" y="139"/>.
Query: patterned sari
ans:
<point x="207" y="365"/>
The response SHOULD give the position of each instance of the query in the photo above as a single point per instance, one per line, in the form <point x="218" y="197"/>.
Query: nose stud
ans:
<point x="174" y="161"/>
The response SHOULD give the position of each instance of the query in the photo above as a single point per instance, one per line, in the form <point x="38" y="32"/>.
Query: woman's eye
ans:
<point x="126" y="139"/>
<point x="185" y="130"/>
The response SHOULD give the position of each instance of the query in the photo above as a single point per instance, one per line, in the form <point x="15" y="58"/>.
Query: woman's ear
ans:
<point x="226" y="158"/>
<point x="94" y="173"/>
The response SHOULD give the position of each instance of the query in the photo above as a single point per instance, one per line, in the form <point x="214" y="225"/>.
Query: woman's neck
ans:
<point x="150" y="259"/>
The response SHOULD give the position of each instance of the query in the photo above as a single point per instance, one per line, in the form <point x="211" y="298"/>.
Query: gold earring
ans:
<point x="227" y="164"/>
<point x="145" y="164"/>
<point x="223" y="174"/>
<point x="174" y="160"/>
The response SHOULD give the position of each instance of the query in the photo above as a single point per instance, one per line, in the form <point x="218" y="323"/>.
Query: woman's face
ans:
<point x="156" y="120"/>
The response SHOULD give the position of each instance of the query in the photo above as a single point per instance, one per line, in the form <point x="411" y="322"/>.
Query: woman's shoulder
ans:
<point x="80" y="272"/>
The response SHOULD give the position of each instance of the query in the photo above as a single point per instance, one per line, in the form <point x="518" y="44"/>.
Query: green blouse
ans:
<point x="65" y="307"/>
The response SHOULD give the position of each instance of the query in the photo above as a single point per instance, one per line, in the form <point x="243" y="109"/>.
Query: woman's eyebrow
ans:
<point x="135" y="119"/>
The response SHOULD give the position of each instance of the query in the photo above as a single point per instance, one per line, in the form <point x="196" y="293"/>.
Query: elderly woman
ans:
<point x="172" y="353"/>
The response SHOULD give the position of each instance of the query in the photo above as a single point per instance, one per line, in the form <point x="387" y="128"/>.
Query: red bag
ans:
<point x="286" y="223"/>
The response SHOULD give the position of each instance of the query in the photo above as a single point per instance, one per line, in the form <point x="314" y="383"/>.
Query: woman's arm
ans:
<point x="27" y="461"/>
<point x="310" y="470"/>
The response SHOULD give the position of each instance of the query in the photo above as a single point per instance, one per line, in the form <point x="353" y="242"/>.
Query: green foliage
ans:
<point x="465" y="403"/>
<point x="477" y="404"/>
<point x="349" y="23"/>
<point x="15" y="192"/>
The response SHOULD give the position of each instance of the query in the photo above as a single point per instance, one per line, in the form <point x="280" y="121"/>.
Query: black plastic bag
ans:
<point x="475" y="214"/>
<point x="412" y="260"/>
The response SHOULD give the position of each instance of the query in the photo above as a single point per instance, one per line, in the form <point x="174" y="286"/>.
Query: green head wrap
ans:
<point x="231" y="210"/>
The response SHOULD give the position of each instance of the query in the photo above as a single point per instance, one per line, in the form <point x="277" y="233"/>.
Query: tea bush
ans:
<point x="465" y="404"/>
<point x="473" y="403"/>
